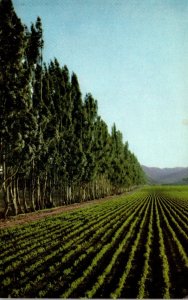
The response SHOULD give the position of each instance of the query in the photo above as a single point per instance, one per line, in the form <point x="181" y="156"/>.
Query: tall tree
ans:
<point x="13" y="88"/>
<point x="51" y="140"/>
<point x="76" y="159"/>
<point x="16" y="100"/>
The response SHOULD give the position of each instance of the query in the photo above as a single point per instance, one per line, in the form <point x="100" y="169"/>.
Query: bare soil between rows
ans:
<point x="41" y="214"/>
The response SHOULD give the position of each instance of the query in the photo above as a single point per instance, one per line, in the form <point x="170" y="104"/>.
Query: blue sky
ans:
<point x="132" y="55"/>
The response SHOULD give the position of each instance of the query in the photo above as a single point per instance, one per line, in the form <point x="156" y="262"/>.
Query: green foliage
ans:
<point x="52" y="139"/>
<point x="101" y="250"/>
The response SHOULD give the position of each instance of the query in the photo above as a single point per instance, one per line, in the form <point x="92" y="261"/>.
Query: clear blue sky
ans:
<point x="132" y="55"/>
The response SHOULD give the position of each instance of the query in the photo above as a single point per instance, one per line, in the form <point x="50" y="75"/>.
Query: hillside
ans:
<point x="176" y="175"/>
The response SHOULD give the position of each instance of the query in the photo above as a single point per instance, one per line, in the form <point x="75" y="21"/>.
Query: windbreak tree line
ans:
<point x="54" y="147"/>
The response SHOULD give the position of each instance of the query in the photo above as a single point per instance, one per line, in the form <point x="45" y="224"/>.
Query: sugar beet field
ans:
<point x="131" y="246"/>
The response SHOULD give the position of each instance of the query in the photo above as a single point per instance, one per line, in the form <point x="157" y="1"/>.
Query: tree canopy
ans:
<point x="54" y="147"/>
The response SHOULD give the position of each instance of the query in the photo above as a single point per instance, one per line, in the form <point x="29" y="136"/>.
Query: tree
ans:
<point x="18" y="125"/>
<point x="89" y="117"/>
<point x="76" y="159"/>
<point x="50" y="139"/>
<point x="13" y="89"/>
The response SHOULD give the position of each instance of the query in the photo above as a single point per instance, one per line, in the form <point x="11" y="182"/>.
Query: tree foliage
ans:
<point x="54" y="147"/>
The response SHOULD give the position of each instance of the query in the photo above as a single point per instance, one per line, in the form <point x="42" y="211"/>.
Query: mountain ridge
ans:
<point x="176" y="175"/>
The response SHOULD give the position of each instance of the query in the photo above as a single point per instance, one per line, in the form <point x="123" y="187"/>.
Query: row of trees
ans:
<point x="54" y="147"/>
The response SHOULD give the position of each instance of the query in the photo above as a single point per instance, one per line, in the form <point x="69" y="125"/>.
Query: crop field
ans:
<point x="132" y="246"/>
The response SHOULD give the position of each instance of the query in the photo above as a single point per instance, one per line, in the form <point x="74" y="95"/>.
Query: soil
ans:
<point x="38" y="215"/>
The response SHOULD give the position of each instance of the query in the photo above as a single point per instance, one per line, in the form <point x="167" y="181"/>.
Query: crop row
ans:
<point x="52" y="250"/>
<point x="59" y="230"/>
<point x="101" y="231"/>
<point x="126" y="247"/>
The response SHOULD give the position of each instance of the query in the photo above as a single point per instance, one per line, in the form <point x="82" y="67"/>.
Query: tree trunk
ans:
<point x="43" y="192"/>
<point x="38" y="195"/>
<point x="17" y="195"/>
<point x="83" y="193"/>
<point x="24" y="196"/>
<point x="5" y="190"/>
<point x="13" y="197"/>
<point x="32" y="195"/>
<point x="69" y="194"/>
<point x="6" y="197"/>
<point x="93" y="190"/>
<point x="49" y="199"/>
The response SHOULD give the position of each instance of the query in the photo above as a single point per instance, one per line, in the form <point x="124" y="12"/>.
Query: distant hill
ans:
<point x="167" y="175"/>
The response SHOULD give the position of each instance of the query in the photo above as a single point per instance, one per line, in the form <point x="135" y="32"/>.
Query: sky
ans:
<point x="132" y="56"/>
